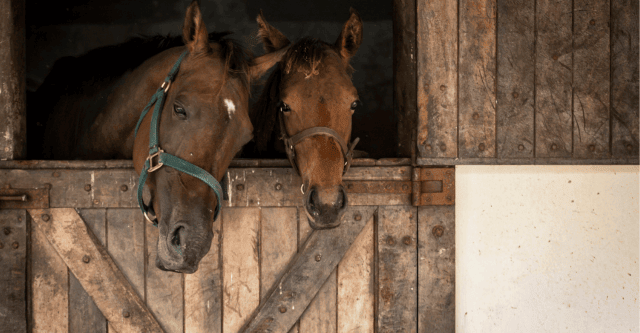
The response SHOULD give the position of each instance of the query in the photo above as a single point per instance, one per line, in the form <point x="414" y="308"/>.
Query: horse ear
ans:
<point x="262" y="63"/>
<point x="272" y="38"/>
<point x="194" y="32"/>
<point x="351" y="36"/>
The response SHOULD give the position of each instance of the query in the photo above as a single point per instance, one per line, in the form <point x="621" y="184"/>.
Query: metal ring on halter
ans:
<point x="302" y="188"/>
<point x="166" y="88"/>
<point x="148" y="219"/>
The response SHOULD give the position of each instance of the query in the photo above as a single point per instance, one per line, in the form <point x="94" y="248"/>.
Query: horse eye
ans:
<point x="180" y="112"/>
<point x="284" y="107"/>
<point x="354" y="105"/>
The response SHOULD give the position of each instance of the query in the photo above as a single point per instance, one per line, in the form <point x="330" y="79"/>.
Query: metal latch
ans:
<point x="23" y="198"/>
<point x="433" y="186"/>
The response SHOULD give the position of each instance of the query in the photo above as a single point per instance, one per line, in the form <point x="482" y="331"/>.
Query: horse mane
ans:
<point x="304" y="56"/>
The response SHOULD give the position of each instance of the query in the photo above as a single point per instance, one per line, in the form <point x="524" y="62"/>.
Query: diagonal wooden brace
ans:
<point x="306" y="273"/>
<point x="95" y="269"/>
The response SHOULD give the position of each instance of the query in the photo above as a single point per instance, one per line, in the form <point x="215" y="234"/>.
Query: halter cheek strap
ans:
<point x="291" y="142"/>
<point x="158" y="157"/>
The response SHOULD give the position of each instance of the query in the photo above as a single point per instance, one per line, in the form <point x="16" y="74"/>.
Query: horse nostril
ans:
<point x="312" y="202"/>
<point x="177" y="239"/>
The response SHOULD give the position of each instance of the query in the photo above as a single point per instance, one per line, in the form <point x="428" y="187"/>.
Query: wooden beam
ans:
<point x="13" y="127"/>
<point x="93" y="267"/>
<point x="13" y="276"/>
<point x="404" y="72"/>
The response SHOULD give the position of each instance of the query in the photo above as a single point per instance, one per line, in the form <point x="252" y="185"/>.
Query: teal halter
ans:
<point x="162" y="158"/>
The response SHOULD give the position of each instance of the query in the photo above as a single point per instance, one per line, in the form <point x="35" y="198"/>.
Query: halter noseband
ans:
<point x="158" y="157"/>
<point x="290" y="143"/>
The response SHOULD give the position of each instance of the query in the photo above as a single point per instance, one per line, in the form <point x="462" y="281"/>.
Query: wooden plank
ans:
<point x="66" y="187"/>
<point x="13" y="276"/>
<point x="397" y="269"/>
<point x="554" y="65"/>
<point x="94" y="268"/>
<point x="278" y="244"/>
<point x="320" y="316"/>
<point x="524" y="161"/>
<point x="240" y="265"/>
<point x="114" y="188"/>
<point x="164" y="289"/>
<point x="438" y="78"/>
<point x="436" y="269"/>
<point x="404" y="72"/>
<point x="516" y="59"/>
<point x="591" y="79"/>
<point x="624" y="78"/>
<point x="356" y="299"/>
<point x="306" y="273"/>
<point x="477" y="79"/>
<point x="203" y="291"/>
<point x="13" y="86"/>
<point x="84" y="314"/>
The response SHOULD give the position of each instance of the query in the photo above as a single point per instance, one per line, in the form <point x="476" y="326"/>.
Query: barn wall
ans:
<point x="547" y="249"/>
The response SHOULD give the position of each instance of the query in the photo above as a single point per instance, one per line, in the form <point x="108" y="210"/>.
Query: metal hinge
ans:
<point x="433" y="186"/>
<point x="23" y="198"/>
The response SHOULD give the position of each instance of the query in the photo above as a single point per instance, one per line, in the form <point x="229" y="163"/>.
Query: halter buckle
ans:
<point x="150" y="158"/>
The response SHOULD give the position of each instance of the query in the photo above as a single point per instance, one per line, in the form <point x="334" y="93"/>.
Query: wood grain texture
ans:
<point x="114" y="188"/>
<point x="437" y="78"/>
<point x="84" y="314"/>
<point x="553" y="79"/>
<point x="49" y="284"/>
<point x="591" y="79"/>
<point x="477" y="79"/>
<point x="240" y="265"/>
<point x="404" y="72"/>
<point x="320" y="315"/>
<point x="125" y="236"/>
<point x="397" y="269"/>
<point x="94" y="268"/>
<point x="624" y="78"/>
<point x="164" y="289"/>
<point x="278" y="244"/>
<point x="436" y="269"/>
<point x="66" y="186"/>
<point x="13" y="128"/>
<point x="516" y="68"/>
<point x="13" y="275"/>
<point x="203" y="291"/>
<point x="356" y="300"/>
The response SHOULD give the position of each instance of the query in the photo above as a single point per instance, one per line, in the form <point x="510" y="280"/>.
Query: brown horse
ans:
<point x="204" y="121"/>
<point x="308" y="101"/>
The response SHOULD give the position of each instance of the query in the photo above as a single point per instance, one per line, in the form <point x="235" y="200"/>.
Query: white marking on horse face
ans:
<point x="231" y="108"/>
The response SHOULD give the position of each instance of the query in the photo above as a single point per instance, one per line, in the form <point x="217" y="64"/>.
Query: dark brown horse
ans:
<point x="310" y="94"/>
<point x="204" y="121"/>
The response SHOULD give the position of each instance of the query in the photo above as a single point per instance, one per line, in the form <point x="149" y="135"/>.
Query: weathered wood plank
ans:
<point x="438" y="78"/>
<point x="477" y="79"/>
<point x="114" y="188"/>
<point x="164" y="291"/>
<point x="356" y="299"/>
<point x="553" y="136"/>
<point x="84" y="314"/>
<point x="13" y="275"/>
<point x="278" y="244"/>
<point x="516" y="59"/>
<point x="624" y="78"/>
<point x="436" y="269"/>
<point x="524" y="161"/>
<point x="397" y="271"/>
<point x="240" y="265"/>
<point x="49" y="286"/>
<point x="306" y="273"/>
<point x="13" y="128"/>
<point x="404" y="72"/>
<point x="320" y="316"/>
<point x="95" y="269"/>
<point x="203" y="291"/>
<point x="591" y="79"/>
<point x="67" y="187"/>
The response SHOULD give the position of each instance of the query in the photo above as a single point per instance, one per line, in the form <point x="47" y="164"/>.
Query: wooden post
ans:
<point x="13" y="123"/>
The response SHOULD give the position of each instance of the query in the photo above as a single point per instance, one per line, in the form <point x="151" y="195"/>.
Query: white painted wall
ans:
<point x="547" y="249"/>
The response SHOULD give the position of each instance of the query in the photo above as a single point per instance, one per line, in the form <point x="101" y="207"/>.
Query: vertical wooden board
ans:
<point x="404" y="72"/>
<point x="591" y="79"/>
<point x="624" y="78"/>
<point x="114" y="188"/>
<point x="164" y="289"/>
<point x="278" y="244"/>
<point x="203" y="291"/>
<point x="240" y="266"/>
<point x="125" y="236"/>
<point x="436" y="269"/>
<point x="477" y="79"/>
<point x="516" y="67"/>
<point x="320" y="315"/>
<point x="13" y="275"/>
<point x="397" y="271"/>
<point x="50" y="286"/>
<point x="438" y="78"/>
<point x="553" y="78"/>
<point x="84" y="314"/>
<point x="356" y="299"/>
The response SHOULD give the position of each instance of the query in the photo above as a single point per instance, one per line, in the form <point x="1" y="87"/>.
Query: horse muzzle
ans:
<point x="182" y="247"/>
<point x="325" y="209"/>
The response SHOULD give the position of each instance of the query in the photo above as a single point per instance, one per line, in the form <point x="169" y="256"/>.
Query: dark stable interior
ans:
<point x="55" y="29"/>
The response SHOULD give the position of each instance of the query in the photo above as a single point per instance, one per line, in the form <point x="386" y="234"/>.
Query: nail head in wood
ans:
<point x="87" y="188"/>
<point x="45" y="217"/>
<point x="86" y="259"/>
